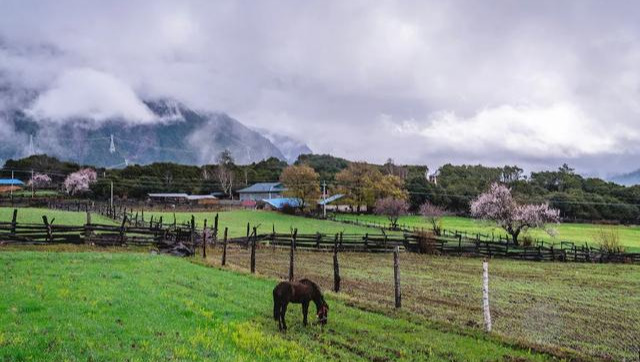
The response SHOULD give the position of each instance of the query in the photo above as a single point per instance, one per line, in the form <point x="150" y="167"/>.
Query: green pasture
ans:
<point x="34" y="216"/>
<point x="577" y="233"/>
<point x="265" y="221"/>
<point x="120" y="306"/>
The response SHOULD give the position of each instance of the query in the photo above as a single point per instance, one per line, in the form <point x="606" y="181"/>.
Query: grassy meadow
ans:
<point x="578" y="233"/>
<point x="34" y="216"/>
<point x="125" y="306"/>
<point x="593" y="309"/>
<point x="237" y="220"/>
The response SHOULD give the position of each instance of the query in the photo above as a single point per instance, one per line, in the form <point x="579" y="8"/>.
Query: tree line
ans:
<point x="451" y="187"/>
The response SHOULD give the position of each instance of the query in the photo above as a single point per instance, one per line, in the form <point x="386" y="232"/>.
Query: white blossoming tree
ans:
<point x="498" y="205"/>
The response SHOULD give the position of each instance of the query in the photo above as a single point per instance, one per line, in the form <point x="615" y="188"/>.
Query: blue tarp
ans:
<point x="280" y="202"/>
<point x="10" y="182"/>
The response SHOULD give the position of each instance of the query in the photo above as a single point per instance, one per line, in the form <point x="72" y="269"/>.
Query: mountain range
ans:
<point x="178" y="134"/>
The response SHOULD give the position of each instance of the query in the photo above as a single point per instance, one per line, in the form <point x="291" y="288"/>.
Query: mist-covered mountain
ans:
<point x="290" y="147"/>
<point x="177" y="134"/>
<point x="627" y="179"/>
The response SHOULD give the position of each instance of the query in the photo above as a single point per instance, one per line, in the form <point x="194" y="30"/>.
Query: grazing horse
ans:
<point x="302" y="291"/>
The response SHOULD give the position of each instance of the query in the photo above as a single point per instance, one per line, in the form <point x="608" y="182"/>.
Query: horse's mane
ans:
<point x="311" y="284"/>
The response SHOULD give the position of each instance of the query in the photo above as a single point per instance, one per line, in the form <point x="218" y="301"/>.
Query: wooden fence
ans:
<point x="134" y="229"/>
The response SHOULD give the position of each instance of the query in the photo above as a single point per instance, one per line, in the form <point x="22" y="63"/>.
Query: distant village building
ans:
<point x="182" y="198"/>
<point x="433" y="178"/>
<point x="10" y="184"/>
<point x="261" y="191"/>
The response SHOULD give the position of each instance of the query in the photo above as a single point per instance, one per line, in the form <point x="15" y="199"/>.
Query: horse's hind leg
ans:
<point x="305" y="311"/>
<point x="283" y="313"/>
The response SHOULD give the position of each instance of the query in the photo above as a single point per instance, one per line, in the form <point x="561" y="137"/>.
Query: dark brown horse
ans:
<point x="303" y="292"/>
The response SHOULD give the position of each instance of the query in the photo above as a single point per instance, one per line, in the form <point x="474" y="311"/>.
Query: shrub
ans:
<point x="609" y="240"/>
<point x="426" y="242"/>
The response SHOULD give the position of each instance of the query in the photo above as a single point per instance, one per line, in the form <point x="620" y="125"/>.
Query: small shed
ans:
<point x="10" y="184"/>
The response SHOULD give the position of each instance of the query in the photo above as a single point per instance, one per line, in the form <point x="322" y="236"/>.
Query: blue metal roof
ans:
<point x="280" y="202"/>
<point x="330" y="199"/>
<point x="264" y="187"/>
<point x="10" y="182"/>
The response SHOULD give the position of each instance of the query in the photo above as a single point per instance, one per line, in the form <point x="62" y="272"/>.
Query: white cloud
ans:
<point x="87" y="93"/>
<point x="560" y="130"/>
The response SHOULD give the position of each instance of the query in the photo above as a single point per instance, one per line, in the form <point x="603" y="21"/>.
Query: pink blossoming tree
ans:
<point x="392" y="209"/>
<point x="79" y="181"/>
<point x="433" y="214"/>
<point x="39" y="180"/>
<point x="499" y="206"/>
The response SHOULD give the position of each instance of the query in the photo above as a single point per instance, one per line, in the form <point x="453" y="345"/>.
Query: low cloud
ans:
<point x="519" y="132"/>
<point x="90" y="94"/>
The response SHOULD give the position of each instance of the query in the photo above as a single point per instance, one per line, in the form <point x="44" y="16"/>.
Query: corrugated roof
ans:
<point x="10" y="182"/>
<point x="280" y="202"/>
<point x="263" y="187"/>
<point x="201" y="197"/>
<point x="330" y="199"/>
<point x="176" y="195"/>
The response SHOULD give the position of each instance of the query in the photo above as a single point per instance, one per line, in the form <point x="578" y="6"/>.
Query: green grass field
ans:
<point x="237" y="220"/>
<point x="578" y="233"/>
<point x="588" y="308"/>
<point x="34" y="216"/>
<point x="118" y="306"/>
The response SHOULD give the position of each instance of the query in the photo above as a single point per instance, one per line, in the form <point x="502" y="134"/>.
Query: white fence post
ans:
<point x="485" y="295"/>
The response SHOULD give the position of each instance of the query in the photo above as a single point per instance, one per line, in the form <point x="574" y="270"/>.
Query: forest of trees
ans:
<point x="577" y="197"/>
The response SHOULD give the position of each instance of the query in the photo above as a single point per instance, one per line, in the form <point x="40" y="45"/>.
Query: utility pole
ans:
<point x="32" y="192"/>
<point x="111" y="202"/>
<point x="11" y="189"/>
<point x="324" y="199"/>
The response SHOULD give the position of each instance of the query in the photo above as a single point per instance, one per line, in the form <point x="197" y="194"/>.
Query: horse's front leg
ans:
<point x="305" y="311"/>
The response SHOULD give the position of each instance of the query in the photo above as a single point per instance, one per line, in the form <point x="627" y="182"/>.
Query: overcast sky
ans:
<point x="535" y="83"/>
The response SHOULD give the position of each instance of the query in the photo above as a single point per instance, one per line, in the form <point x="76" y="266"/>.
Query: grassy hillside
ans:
<point x="104" y="306"/>
<point x="578" y="233"/>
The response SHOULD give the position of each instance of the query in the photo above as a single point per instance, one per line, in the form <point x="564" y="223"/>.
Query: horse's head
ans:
<point x="323" y="313"/>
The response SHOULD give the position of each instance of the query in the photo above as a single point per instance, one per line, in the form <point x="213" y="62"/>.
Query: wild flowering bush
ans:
<point x="80" y="181"/>
<point x="498" y="205"/>
<point x="433" y="214"/>
<point x="392" y="209"/>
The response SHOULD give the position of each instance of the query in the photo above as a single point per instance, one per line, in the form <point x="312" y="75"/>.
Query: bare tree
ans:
<point x="498" y="205"/>
<point x="392" y="209"/>
<point x="433" y="214"/>
<point x="225" y="172"/>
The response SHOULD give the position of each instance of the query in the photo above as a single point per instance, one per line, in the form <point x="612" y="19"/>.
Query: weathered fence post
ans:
<point x="291" y="251"/>
<point x="49" y="229"/>
<point x="87" y="229"/>
<point x="14" y="221"/>
<point x="253" y="250"/>
<point x="192" y="234"/>
<point x="214" y="237"/>
<point x="485" y="295"/>
<point x="122" y="229"/>
<point x="204" y="240"/>
<point x="336" y="267"/>
<point x="396" y="277"/>
<point x="224" y="247"/>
